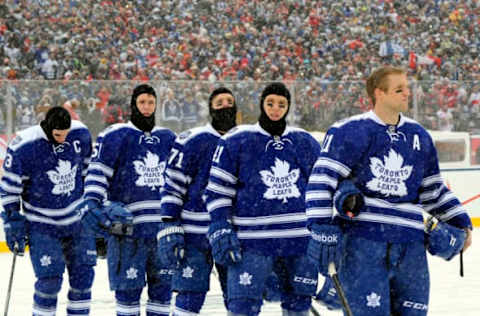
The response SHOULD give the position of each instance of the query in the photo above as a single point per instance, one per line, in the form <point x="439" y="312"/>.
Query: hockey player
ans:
<point x="256" y="200"/>
<point x="127" y="169"/>
<point x="379" y="249"/>
<point x="182" y="239"/>
<point x="43" y="176"/>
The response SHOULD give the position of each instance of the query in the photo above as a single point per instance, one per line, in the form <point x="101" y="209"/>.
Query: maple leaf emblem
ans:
<point x="245" y="278"/>
<point x="373" y="300"/>
<point x="389" y="177"/>
<point x="281" y="181"/>
<point x="45" y="261"/>
<point x="187" y="272"/>
<point x="132" y="273"/>
<point x="150" y="171"/>
<point x="63" y="177"/>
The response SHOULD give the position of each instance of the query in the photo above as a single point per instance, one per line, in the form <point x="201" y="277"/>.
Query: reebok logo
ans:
<point x="329" y="239"/>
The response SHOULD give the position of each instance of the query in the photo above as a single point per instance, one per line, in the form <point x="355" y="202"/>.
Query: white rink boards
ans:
<point x="450" y="294"/>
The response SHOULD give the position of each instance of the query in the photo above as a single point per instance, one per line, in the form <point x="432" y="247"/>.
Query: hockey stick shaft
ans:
<point x="332" y="271"/>
<point x="461" y="263"/>
<point x="10" y="283"/>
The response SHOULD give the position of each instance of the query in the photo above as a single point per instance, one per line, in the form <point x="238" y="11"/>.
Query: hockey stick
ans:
<point x="314" y="311"/>
<point x="461" y="263"/>
<point x="10" y="282"/>
<point x="332" y="271"/>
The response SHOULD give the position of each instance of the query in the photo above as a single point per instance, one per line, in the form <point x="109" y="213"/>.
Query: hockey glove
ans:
<point x="170" y="243"/>
<point x="444" y="240"/>
<point x="348" y="199"/>
<point x="327" y="296"/>
<point x="121" y="219"/>
<point x="94" y="219"/>
<point x="325" y="246"/>
<point x="15" y="234"/>
<point x="225" y="245"/>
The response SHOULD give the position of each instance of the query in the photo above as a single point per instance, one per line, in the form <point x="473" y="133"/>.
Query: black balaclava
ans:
<point x="144" y="123"/>
<point x="222" y="119"/>
<point x="274" y="127"/>
<point x="56" y="118"/>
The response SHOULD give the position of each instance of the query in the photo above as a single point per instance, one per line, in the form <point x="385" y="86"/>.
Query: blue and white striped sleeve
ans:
<point x="437" y="199"/>
<point x="178" y="175"/>
<point x="329" y="169"/>
<point x="12" y="182"/>
<point x="100" y="170"/>
<point x="221" y="189"/>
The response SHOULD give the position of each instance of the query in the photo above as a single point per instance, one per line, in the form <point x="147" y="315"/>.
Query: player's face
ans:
<point x="275" y="106"/>
<point x="146" y="104"/>
<point x="222" y="101"/>
<point x="395" y="98"/>
<point x="60" y="135"/>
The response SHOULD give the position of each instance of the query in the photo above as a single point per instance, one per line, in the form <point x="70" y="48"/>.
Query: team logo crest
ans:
<point x="373" y="300"/>
<point x="281" y="181"/>
<point x="390" y="175"/>
<point x="63" y="177"/>
<point x="150" y="171"/>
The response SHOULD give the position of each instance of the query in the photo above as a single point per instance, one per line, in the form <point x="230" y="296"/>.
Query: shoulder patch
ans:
<point x="232" y="130"/>
<point x="17" y="140"/>
<point x="184" y="135"/>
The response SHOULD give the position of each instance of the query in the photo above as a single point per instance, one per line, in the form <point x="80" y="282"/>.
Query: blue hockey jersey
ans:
<point x="258" y="182"/>
<point x="186" y="177"/>
<point x="46" y="180"/>
<point x="395" y="167"/>
<point x="127" y="166"/>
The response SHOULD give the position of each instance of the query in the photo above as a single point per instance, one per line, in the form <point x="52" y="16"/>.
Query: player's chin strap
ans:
<point x="332" y="271"/>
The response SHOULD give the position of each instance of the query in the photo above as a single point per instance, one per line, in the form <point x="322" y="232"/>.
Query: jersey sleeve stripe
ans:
<point x="318" y="195"/>
<point x="223" y="175"/>
<point x="319" y="212"/>
<point x="12" y="177"/>
<point x="220" y="189"/>
<point x="218" y="203"/>
<point x="170" y="199"/>
<point x="11" y="188"/>
<point x="177" y="175"/>
<point x="323" y="179"/>
<point x="101" y="167"/>
<point x="435" y="179"/>
<point x="175" y="186"/>
<point x="96" y="178"/>
<point x="334" y="165"/>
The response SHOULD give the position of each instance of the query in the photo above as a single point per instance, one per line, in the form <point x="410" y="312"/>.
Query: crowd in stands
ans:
<point x="325" y="49"/>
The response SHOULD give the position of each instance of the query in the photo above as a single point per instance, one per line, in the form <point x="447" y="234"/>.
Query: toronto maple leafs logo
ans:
<point x="245" y="278"/>
<point x="132" y="273"/>
<point x="63" y="177"/>
<point x="373" y="300"/>
<point x="389" y="177"/>
<point x="45" y="261"/>
<point x="60" y="148"/>
<point x="187" y="273"/>
<point x="281" y="181"/>
<point x="395" y="135"/>
<point x="277" y="143"/>
<point x="150" y="171"/>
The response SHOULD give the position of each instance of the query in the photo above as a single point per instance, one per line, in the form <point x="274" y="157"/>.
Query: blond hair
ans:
<point x="379" y="79"/>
